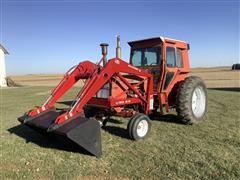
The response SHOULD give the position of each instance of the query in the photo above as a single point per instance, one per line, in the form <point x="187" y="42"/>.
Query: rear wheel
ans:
<point x="191" y="103"/>
<point x="139" y="126"/>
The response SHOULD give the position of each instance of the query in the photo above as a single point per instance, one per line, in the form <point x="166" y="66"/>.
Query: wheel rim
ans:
<point x="142" y="128"/>
<point x="198" y="102"/>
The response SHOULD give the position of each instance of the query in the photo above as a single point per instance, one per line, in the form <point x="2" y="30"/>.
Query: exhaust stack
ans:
<point x="104" y="52"/>
<point x="118" y="48"/>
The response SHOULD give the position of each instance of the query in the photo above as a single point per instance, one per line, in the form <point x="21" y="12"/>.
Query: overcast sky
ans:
<point x="51" y="36"/>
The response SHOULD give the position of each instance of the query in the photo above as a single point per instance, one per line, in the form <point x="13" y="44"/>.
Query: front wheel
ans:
<point x="191" y="103"/>
<point x="139" y="126"/>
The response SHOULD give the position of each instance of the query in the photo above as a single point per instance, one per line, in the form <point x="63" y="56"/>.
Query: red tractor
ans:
<point x="156" y="77"/>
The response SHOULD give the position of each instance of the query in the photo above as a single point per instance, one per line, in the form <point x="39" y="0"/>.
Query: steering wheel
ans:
<point x="153" y="64"/>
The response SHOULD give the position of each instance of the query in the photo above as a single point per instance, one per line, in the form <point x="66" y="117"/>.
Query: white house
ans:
<point x="3" y="52"/>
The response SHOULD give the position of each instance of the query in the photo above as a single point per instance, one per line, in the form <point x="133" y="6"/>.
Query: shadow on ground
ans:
<point x="53" y="141"/>
<point x="168" y="118"/>
<point x="46" y="140"/>
<point x="235" y="89"/>
<point x="117" y="131"/>
<point x="123" y="133"/>
<point x="115" y="121"/>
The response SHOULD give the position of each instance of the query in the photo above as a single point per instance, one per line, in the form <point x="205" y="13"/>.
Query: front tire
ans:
<point x="139" y="126"/>
<point x="191" y="103"/>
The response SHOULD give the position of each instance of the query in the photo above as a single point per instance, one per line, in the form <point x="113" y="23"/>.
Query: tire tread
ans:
<point x="184" y="96"/>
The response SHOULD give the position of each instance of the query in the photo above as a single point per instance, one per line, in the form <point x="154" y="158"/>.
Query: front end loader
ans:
<point x="155" y="78"/>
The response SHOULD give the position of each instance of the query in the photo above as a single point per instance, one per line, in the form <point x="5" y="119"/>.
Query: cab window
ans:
<point x="170" y="56"/>
<point x="146" y="56"/>
<point x="137" y="57"/>
<point x="179" y="62"/>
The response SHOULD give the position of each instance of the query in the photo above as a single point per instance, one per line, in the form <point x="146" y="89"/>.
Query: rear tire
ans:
<point x="191" y="103"/>
<point x="139" y="126"/>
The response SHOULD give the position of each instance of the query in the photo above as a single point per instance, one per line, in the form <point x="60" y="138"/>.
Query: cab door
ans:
<point x="174" y="64"/>
<point x="171" y="68"/>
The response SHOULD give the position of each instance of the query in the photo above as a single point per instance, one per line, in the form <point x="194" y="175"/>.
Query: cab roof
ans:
<point x="156" y="40"/>
<point x="159" y="38"/>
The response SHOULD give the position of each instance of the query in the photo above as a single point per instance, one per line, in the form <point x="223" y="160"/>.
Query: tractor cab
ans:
<point x="165" y="58"/>
<point x="146" y="53"/>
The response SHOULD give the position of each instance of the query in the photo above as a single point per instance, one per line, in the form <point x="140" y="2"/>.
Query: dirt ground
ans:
<point x="218" y="76"/>
<point x="213" y="77"/>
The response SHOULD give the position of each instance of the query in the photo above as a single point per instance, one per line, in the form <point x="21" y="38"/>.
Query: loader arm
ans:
<point x="112" y="69"/>
<point x="83" y="70"/>
<point x="44" y="117"/>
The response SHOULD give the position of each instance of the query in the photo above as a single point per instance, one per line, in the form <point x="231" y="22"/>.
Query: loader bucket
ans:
<point x="82" y="131"/>
<point x="42" y="121"/>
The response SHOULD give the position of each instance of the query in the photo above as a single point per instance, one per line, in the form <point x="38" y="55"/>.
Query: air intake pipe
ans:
<point x="118" y="48"/>
<point x="104" y="52"/>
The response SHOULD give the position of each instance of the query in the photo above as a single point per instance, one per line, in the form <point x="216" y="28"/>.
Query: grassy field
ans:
<point x="209" y="150"/>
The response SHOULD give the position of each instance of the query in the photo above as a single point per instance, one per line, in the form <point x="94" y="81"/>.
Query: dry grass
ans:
<point x="213" y="77"/>
<point x="218" y="76"/>
<point x="40" y="80"/>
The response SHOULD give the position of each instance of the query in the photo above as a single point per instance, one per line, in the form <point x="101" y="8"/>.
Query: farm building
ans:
<point x="3" y="53"/>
